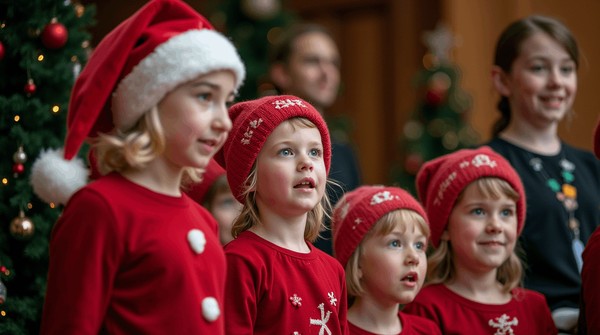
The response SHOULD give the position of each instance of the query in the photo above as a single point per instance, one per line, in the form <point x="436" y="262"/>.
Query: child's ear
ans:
<point x="445" y="236"/>
<point x="500" y="81"/>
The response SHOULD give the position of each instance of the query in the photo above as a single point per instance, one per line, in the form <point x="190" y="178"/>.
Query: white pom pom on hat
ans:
<point x="162" y="45"/>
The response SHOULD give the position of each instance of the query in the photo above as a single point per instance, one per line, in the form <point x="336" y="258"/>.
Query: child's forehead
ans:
<point x="295" y="129"/>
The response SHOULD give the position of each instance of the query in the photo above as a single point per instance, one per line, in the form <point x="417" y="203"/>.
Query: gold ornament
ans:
<point x="22" y="227"/>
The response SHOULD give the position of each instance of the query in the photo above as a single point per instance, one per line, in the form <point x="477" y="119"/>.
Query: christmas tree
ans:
<point x="438" y="125"/>
<point x="43" y="45"/>
<point x="252" y="25"/>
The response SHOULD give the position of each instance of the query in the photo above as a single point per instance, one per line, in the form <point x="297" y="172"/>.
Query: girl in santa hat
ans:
<point x="277" y="157"/>
<point x="132" y="254"/>
<point x="476" y="207"/>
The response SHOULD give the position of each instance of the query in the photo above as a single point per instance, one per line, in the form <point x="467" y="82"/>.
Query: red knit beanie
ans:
<point x="359" y="210"/>
<point x="441" y="180"/>
<point x="164" y="44"/>
<point x="199" y="190"/>
<point x="253" y="121"/>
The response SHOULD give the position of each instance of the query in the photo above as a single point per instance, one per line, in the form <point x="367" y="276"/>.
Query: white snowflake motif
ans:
<point x="249" y="132"/>
<point x="332" y="298"/>
<point x="279" y="104"/>
<point x="357" y="221"/>
<point x="381" y="197"/>
<point x="296" y="333"/>
<point x="323" y="321"/>
<point x="481" y="160"/>
<point x="296" y="300"/>
<point x="503" y="325"/>
<point x="464" y="164"/>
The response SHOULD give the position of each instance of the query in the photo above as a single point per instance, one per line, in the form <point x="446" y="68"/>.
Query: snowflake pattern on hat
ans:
<point x="279" y="104"/>
<point x="249" y="132"/>
<point x="477" y="161"/>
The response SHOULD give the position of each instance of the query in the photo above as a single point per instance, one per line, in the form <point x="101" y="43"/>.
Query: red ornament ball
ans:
<point x="2" y="50"/>
<point x="54" y="35"/>
<point x="413" y="163"/>
<point x="18" y="168"/>
<point x="29" y="87"/>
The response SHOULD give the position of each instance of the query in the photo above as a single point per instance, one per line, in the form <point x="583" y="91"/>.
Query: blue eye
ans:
<point x="507" y="212"/>
<point x="477" y="211"/>
<point x="285" y="152"/>
<point x="395" y="244"/>
<point x="421" y="245"/>
<point x="315" y="152"/>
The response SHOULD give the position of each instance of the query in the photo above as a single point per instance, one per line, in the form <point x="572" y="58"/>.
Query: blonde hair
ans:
<point x="249" y="215"/>
<point x="440" y="267"/>
<point x="135" y="148"/>
<point x="383" y="226"/>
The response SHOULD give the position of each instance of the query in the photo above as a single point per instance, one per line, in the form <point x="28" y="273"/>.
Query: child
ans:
<point x="380" y="237"/>
<point x="476" y="207"/>
<point x="277" y="158"/>
<point x="131" y="254"/>
<point x="214" y="193"/>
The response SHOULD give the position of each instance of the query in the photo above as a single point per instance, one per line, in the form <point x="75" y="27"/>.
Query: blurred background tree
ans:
<point x="439" y="124"/>
<point x="43" y="45"/>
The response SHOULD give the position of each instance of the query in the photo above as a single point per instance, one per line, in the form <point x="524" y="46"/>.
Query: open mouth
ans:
<point x="411" y="278"/>
<point x="306" y="184"/>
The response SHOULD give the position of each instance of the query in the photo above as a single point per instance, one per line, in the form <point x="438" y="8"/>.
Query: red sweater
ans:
<point x="590" y="281"/>
<point x="121" y="263"/>
<point x="526" y="313"/>
<point x="411" y="325"/>
<point x="272" y="290"/>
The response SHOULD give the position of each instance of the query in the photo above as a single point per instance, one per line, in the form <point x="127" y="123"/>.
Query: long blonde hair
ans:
<point x="440" y="267"/>
<point x="135" y="148"/>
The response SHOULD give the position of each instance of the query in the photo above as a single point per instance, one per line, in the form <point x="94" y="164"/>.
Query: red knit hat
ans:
<point x="199" y="190"/>
<point x="441" y="180"/>
<point x="162" y="45"/>
<point x="360" y="209"/>
<point x="597" y="140"/>
<point x="253" y="121"/>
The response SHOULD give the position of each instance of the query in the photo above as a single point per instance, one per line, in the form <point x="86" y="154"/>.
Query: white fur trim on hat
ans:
<point x="55" y="179"/>
<point x="178" y="60"/>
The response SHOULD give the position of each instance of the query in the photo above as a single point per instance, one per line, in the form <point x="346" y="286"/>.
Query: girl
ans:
<point x="214" y="194"/>
<point x="535" y="72"/>
<point x="277" y="158"/>
<point x="380" y="237"/>
<point x="476" y="206"/>
<point x="131" y="254"/>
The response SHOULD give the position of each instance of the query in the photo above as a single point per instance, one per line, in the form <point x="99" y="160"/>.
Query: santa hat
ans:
<point x="359" y="210"/>
<point x="441" y="180"/>
<point x="597" y="140"/>
<point x="199" y="190"/>
<point x="162" y="45"/>
<point x="253" y="121"/>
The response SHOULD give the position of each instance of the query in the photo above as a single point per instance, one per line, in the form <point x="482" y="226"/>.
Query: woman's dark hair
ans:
<point x="508" y="48"/>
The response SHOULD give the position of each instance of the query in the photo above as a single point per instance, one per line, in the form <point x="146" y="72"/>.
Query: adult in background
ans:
<point x="305" y="62"/>
<point x="535" y="72"/>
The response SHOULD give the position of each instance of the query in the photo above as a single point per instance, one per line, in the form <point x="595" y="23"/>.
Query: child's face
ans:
<point x="291" y="173"/>
<point x="543" y="81"/>
<point x="195" y="119"/>
<point x="392" y="267"/>
<point x="225" y="209"/>
<point x="482" y="231"/>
